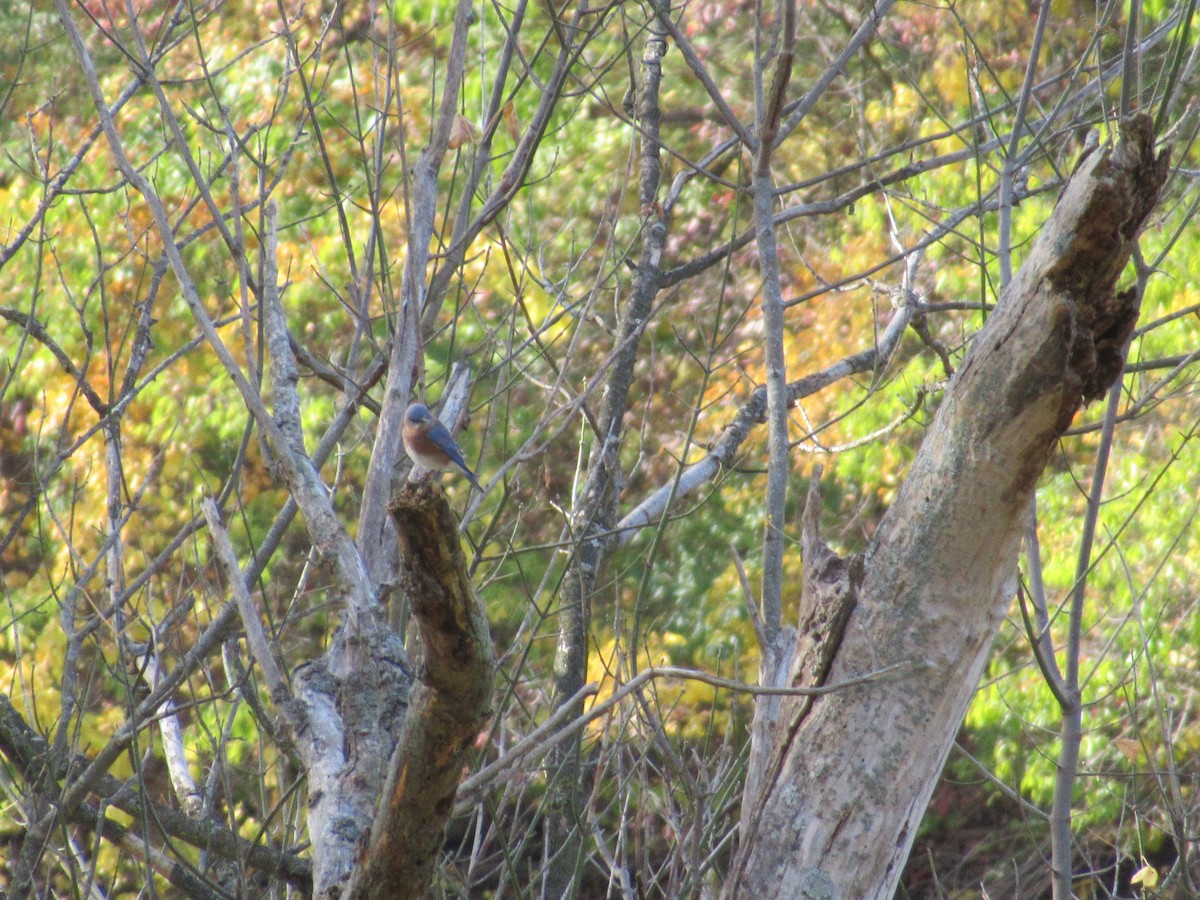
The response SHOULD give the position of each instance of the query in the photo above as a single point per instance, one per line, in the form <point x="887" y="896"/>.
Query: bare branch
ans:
<point x="256" y="637"/>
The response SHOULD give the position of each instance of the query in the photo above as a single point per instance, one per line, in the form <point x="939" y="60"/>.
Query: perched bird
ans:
<point x="430" y="445"/>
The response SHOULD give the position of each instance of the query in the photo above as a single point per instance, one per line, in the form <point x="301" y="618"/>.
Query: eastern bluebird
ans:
<point x="430" y="445"/>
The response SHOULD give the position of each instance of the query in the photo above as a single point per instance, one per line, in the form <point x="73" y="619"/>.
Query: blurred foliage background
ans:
<point x="324" y="107"/>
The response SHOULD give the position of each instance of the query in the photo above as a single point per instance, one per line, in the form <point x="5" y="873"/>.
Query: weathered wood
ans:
<point x="448" y="704"/>
<point x="826" y="602"/>
<point x="855" y="773"/>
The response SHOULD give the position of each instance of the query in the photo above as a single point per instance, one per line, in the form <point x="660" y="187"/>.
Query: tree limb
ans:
<point x="447" y="706"/>
<point x="941" y="569"/>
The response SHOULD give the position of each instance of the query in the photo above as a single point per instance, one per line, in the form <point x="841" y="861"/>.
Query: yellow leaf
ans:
<point x="1130" y="749"/>
<point x="1146" y="875"/>
<point x="510" y="121"/>
<point x="461" y="132"/>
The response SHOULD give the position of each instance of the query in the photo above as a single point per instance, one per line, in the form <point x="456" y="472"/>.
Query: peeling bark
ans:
<point x="826" y="602"/>
<point x="839" y="813"/>
<point x="447" y="707"/>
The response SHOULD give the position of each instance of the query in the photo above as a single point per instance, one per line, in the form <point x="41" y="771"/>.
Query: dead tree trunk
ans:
<point x="447" y="707"/>
<point x="848" y="776"/>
